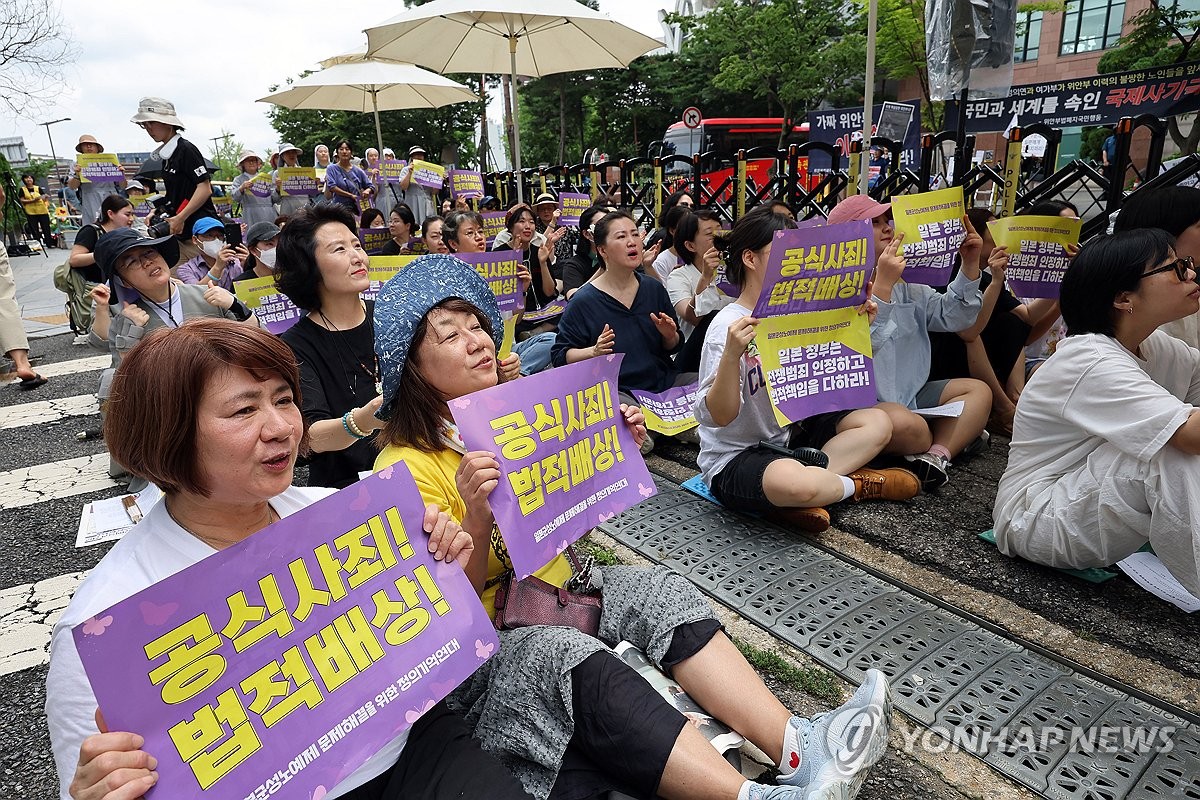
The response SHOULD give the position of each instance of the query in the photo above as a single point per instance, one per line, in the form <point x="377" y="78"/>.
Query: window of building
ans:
<point x="1029" y="33"/>
<point x="1090" y="25"/>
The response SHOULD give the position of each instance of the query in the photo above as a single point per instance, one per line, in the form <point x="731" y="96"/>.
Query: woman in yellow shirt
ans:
<point x="554" y="704"/>
<point x="36" y="209"/>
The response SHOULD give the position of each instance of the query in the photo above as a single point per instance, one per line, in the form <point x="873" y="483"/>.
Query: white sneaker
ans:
<point x="840" y="746"/>
<point x="80" y="340"/>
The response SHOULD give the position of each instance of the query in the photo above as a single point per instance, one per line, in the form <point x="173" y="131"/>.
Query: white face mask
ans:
<point x="267" y="257"/>
<point x="212" y="249"/>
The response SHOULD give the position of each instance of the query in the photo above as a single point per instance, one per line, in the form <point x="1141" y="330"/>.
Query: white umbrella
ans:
<point x="370" y="85"/>
<point x="526" y="37"/>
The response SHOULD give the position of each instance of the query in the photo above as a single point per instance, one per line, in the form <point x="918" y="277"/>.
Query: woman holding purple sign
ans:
<point x="345" y="184"/>
<point x="253" y="193"/>
<point x="566" y="715"/>
<point x="900" y="342"/>
<point x="229" y="430"/>
<point x="749" y="461"/>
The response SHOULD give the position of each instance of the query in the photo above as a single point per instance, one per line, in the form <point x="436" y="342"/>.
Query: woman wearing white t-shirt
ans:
<point x="227" y="400"/>
<point x="748" y="460"/>
<point x="1106" y="435"/>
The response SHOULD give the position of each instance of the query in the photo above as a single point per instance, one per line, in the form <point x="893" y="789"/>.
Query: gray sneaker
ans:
<point x="930" y="468"/>
<point x="840" y="746"/>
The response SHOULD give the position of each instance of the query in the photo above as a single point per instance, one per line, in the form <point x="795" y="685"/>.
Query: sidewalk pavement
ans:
<point x="43" y="311"/>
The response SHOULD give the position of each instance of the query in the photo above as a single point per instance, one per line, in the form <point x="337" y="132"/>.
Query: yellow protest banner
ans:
<point x="99" y="168"/>
<point x="297" y="181"/>
<point x="816" y="362"/>
<point x="933" y="231"/>
<point x="1037" y="252"/>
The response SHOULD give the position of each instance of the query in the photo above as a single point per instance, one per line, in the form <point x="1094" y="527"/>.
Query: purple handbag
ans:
<point x="533" y="601"/>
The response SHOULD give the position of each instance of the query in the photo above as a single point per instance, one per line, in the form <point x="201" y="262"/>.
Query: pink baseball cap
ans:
<point x="855" y="207"/>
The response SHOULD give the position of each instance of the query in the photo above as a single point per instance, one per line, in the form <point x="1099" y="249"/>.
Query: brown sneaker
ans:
<point x="892" y="483"/>
<point x="809" y="520"/>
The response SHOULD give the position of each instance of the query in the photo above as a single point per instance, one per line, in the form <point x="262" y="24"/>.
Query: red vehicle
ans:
<point x="727" y="135"/>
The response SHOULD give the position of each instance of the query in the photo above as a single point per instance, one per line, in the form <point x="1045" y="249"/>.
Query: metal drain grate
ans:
<point x="1035" y="720"/>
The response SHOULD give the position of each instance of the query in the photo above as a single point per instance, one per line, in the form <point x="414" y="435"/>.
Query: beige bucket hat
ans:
<point x="156" y="109"/>
<point x="87" y="138"/>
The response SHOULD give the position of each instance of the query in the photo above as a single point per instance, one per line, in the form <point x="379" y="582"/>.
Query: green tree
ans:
<point x="1164" y="33"/>
<point x="794" y="54"/>
<point x="224" y="152"/>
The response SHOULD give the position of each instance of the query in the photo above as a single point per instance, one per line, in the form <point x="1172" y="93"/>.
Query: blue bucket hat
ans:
<point x="405" y="300"/>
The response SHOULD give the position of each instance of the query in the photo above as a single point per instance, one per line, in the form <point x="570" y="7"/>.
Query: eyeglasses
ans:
<point x="1181" y="267"/>
<point x="142" y="257"/>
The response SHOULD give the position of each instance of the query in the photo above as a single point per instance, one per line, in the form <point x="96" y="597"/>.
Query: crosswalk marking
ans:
<point x="44" y="411"/>
<point x="27" y="617"/>
<point x="71" y="367"/>
<point x="74" y="476"/>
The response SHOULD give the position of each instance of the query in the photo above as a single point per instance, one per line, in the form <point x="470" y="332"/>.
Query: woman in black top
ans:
<point x="401" y="225"/>
<point x="545" y="285"/>
<point x="115" y="212"/>
<point x="322" y="268"/>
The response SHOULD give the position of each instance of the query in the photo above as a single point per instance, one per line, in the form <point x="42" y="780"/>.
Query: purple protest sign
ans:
<point x="391" y="169"/>
<point x="816" y="363"/>
<point x="570" y="206"/>
<point x="553" y="309"/>
<point x="297" y="181"/>
<point x="431" y="176"/>
<point x="100" y="168"/>
<point x="567" y="460"/>
<point x="817" y="268"/>
<point x="373" y="239"/>
<point x="670" y="412"/>
<point x="335" y="622"/>
<point x="933" y="231"/>
<point x="466" y="183"/>
<point x="260" y="186"/>
<point x="493" y="224"/>
<point x="1038" y="252"/>
<point x="274" y="310"/>
<point x="499" y="269"/>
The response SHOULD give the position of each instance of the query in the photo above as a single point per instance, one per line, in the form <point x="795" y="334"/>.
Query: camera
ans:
<point x="159" y="229"/>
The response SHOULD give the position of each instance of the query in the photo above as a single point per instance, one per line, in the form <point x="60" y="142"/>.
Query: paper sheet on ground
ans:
<point x="107" y="520"/>
<point x="1148" y="571"/>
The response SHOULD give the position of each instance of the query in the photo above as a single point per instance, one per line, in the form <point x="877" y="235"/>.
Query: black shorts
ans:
<point x="739" y="486"/>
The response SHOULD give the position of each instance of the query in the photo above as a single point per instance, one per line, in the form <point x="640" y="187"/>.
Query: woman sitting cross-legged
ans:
<point x="748" y="460"/>
<point x="567" y="716"/>
<point x="225" y="400"/>
<point x="1105" y="451"/>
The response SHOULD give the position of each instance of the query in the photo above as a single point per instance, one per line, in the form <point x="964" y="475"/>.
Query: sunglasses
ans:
<point x="1181" y="267"/>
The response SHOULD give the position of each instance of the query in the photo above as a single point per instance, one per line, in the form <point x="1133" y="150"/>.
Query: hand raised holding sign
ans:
<point x="113" y="766"/>
<point x="889" y="267"/>
<point x="970" y="249"/>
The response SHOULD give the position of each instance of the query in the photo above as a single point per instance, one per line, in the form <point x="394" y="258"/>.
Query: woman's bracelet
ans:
<point x="352" y="427"/>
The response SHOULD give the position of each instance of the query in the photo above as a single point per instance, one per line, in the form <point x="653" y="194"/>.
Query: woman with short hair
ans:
<point x="402" y="226"/>
<point x="1105" y="452"/>
<point x="228" y="433"/>
<point x="345" y="184"/>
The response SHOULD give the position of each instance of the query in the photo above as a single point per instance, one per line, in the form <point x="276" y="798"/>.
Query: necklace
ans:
<point x="167" y="310"/>
<point x="272" y="517"/>
<point x="351" y="376"/>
